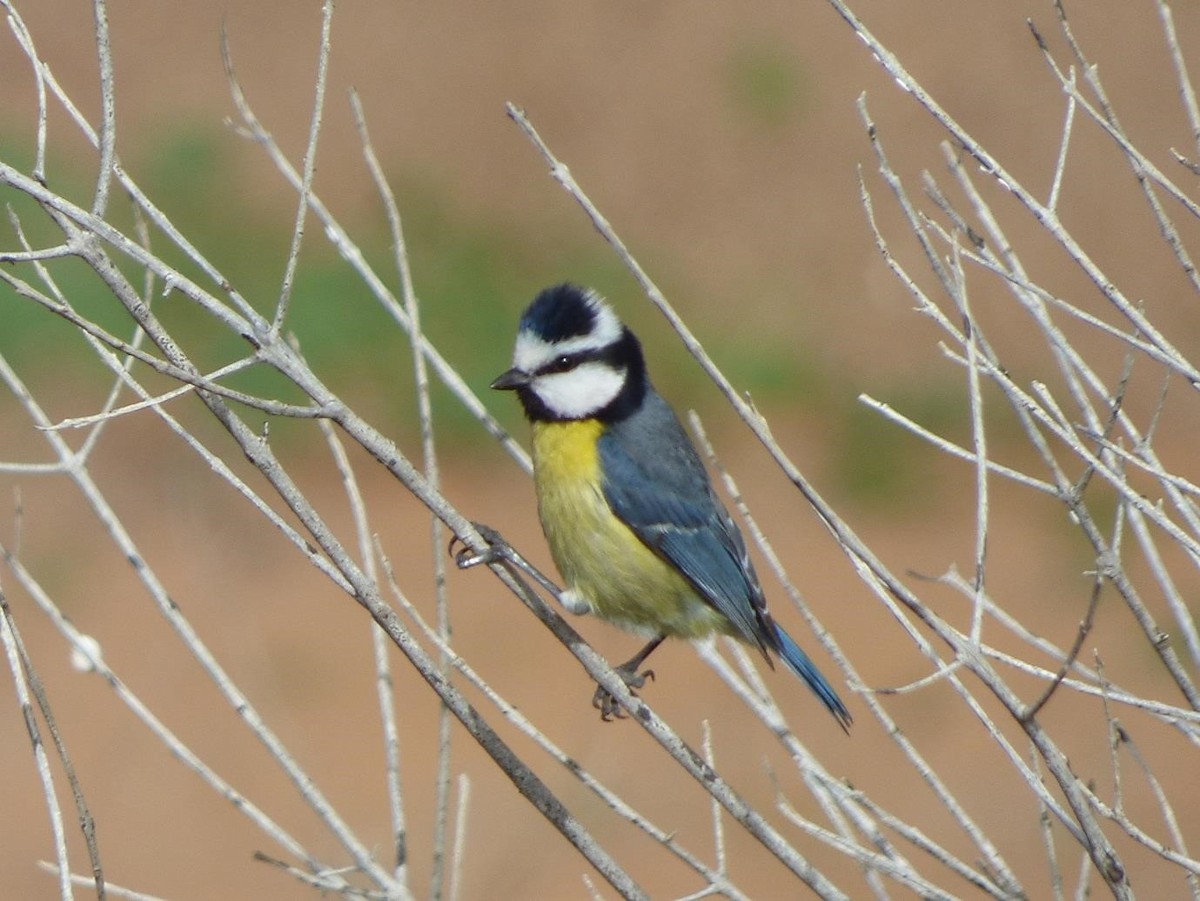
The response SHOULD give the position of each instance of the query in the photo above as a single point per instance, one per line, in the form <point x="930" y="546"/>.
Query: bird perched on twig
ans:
<point x="630" y="515"/>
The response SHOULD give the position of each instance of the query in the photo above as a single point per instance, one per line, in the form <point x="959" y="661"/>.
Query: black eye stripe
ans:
<point x="567" y="362"/>
<point x="563" y="363"/>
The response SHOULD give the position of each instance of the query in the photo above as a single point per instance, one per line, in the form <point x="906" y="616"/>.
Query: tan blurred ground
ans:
<point x="765" y="216"/>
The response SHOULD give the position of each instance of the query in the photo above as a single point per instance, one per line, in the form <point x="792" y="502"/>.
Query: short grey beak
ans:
<point x="514" y="378"/>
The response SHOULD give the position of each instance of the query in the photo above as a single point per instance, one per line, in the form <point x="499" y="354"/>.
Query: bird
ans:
<point x="630" y="515"/>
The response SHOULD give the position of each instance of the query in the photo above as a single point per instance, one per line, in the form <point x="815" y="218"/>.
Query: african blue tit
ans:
<point x="628" y="510"/>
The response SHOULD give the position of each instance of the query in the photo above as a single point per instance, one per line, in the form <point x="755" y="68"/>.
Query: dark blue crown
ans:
<point x="559" y="313"/>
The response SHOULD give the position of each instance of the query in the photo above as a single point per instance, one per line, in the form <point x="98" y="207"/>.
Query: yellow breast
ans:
<point x="599" y="557"/>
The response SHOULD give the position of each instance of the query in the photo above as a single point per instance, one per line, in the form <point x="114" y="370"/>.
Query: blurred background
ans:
<point x="723" y="142"/>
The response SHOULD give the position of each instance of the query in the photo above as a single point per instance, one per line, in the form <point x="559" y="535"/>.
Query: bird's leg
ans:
<point x="604" y="701"/>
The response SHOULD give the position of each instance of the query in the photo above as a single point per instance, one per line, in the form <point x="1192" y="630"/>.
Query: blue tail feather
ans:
<point x="798" y="662"/>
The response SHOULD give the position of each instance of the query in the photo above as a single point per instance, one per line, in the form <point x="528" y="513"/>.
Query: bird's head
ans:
<point x="574" y="359"/>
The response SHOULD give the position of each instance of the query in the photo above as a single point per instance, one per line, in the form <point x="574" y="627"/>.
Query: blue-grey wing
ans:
<point x="656" y="484"/>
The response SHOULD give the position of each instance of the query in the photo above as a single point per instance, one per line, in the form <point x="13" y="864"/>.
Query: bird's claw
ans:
<point x="465" y="558"/>
<point x="606" y="702"/>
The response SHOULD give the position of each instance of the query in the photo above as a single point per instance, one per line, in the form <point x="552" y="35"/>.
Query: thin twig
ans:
<point x="429" y="468"/>
<point x="1186" y="91"/>
<point x="715" y="808"/>
<point x="108" y="107"/>
<point x="12" y="651"/>
<point x="1061" y="165"/>
<point x="25" y="40"/>
<point x="458" y="848"/>
<point x="87" y="824"/>
<point x="1081" y="634"/>
<point x="383" y="673"/>
<point x="310" y="166"/>
<point x="1047" y="831"/>
<point x="114" y="891"/>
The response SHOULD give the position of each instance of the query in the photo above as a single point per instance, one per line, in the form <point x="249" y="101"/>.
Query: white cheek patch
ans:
<point x="581" y="391"/>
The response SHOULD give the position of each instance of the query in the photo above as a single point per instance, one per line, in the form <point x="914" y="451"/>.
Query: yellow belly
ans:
<point x="600" y="558"/>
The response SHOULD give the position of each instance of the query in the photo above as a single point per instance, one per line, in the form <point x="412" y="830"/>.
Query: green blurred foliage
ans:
<point x="473" y="276"/>
<point x="880" y="465"/>
<point x="765" y="82"/>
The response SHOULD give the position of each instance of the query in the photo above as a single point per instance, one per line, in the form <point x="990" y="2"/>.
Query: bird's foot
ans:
<point x="498" y="549"/>
<point x="606" y="702"/>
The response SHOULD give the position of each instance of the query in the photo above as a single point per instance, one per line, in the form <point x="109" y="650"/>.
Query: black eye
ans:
<point x="560" y="364"/>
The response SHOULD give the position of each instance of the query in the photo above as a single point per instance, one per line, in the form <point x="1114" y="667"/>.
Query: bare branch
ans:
<point x="310" y="165"/>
